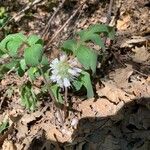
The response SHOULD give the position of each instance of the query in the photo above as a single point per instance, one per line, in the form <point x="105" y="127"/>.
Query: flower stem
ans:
<point x="65" y="103"/>
<point x="46" y="82"/>
<point x="51" y="95"/>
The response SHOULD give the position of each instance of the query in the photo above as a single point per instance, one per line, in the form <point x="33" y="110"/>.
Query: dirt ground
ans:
<point x="118" y="117"/>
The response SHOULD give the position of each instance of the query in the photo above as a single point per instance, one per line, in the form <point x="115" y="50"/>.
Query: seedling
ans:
<point x="71" y="70"/>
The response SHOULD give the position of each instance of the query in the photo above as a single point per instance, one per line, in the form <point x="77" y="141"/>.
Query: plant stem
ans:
<point x="51" y="95"/>
<point x="65" y="103"/>
<point x="47" y="85"/>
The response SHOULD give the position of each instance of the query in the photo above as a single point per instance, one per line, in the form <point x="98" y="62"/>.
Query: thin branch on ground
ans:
<point x="108" y="17"/>
<point x="45" y="31"/>
<point x="20" y="13"/>
<point x="64" y="25"/>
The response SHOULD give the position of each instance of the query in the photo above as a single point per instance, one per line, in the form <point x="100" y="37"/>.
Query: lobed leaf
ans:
<point x="33" y="55"/>
<point x="93" y="34"/>
<point x="86" y="81"/>
<point x="70" y="46"/>
<point x="87" y="57"/>
<point x="34" y="39"/>
<point x="12" y="43"/>
<point x="28" y="98"/>
<point x="3" y="126"/>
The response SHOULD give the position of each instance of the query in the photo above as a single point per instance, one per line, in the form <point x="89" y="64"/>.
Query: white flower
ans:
<point x="64" y="70"/>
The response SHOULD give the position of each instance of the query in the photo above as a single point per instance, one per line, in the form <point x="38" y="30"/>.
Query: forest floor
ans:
<point x="118" y="117"/>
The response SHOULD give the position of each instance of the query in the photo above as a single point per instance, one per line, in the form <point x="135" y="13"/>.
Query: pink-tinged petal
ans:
<point x="77" y="70"/>
<point x="63" y="57"/>
<point x="73" y="63"/>
<point x="72" y="72"/>
<point x="66" y="82"/>
<point x="58" y="77"/>
<point x="53" y="78"/>
<point x="54" y="72"/>
<point x="60" y="83"/>
<point x="55" y="61"/>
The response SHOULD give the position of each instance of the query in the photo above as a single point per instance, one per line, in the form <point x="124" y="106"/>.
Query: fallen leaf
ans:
<point x="110" y="143"/>
<point x="113" y="93"/>
<point x="121" y="75"/>
<point x="52" y="133"/>
<point x="85" y="108"/>
<point x="123" y="24"/>
<point x="141" y="54"/>
<point x="8" y="145"/>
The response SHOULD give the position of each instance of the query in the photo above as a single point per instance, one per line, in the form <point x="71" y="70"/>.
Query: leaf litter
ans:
<point x="117" y="118"/>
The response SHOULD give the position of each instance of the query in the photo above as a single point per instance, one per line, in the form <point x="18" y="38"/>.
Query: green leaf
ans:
<point x="77" y="84"/>
<point x="87" y="57"/>
<point x="8" y="66"/>
<point x="44" y="60"/>
<point x="3" y="126"/>
<point x="28" y="97"/>
<point x="34" y="39"/>
<point x="23" y="64"/>
<point x="70" y="46"/>
<point x="33" y="72"/>
<point x="21" y="68"/>
<point x="33" y="55"/>
<point x="13" y="46"/>
<point x="56" y="92"/>
<point x="86" y="81"/>
<point x="1" y="53"/>
<point x="93" y="34"/>
<point x="11" y="43"/>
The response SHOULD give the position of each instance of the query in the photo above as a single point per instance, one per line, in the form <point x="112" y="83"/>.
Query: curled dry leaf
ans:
<point x="124" y="23"/>
<point x="141" y="54"/>
<point x="53" y="134"/>
<point x="8" y="145"/>
<point x="113" y="93"/>
<point x="86" y="109"/>
<point x="121" y="75"/>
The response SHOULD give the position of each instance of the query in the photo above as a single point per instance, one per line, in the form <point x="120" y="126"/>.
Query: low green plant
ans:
<point x="3" y="16"/>
<point x="3" y="126"/>
<point x="25" y="56"/>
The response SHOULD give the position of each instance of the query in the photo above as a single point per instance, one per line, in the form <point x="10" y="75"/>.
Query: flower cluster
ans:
<point x="64" y="70"/>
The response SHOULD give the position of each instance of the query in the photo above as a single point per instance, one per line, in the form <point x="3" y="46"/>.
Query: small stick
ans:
<point x="45" y="31"/>
<point x="22" y="11"/>
<point x="108" y="17"/>
<point x="56" y="34"/>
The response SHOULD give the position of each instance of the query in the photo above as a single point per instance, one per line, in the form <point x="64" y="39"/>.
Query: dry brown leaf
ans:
<point x="140" y="89"/>
<point x="104" y="108"/>
<point x="110" y="143"/>
<point x="52" y="133"/>
<point x="141" y="54"/>
<point x="8" y="145"/>
<point x="121" y="75"/>
<point x="27" y="118"/>
<point x="134" y="40"/>
<point x="86" y="109"/>
<point x="124" y="23"/>
<point x="113" y="93"/>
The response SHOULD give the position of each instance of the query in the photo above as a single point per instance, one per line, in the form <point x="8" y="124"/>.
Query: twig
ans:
<point x="45" y="31"/>
<point x="71" y="17"/>
<point x="109" y="12"/>
<point x="108" y="17"/>
<point x="31" y="4"/>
